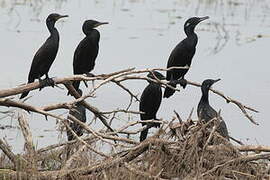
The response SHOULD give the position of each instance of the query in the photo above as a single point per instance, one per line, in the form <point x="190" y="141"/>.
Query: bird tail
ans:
<point x="169" y="91"/>
<point x="222" y="129"/>
<point x="70" y="136"/>
<point x="76" y="85"/>
<point x="24" y="94"/>
<point x="143" y="135"/>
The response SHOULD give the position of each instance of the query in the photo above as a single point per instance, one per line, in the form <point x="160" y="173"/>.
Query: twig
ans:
<point x="82" y="141"/>
<point x="238" y="160"/>
<point x="94" y="110"/>
<point x="87" y="128"/>
<point x="235" y="140"/>
<point x="256" y="149"/>
<point x="178" y="116"/>
<point x="36" y="85"/>
<point x="136" y="170"/>
<point x="31" y="153"/>
<point x="132" y="154"/>
<point x="16" y="160"/>
<point x="126" y="89"/>
<point x="207" y="142"/>
<point x="228" y="100"/>
<point x="123" y="111"/>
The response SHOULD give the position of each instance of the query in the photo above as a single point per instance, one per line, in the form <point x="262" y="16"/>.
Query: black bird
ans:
<point x="79" y="113"/>
<point x="46" y="54"/>
<point x="182" y="55"/>
<point x="206" y="112"/>
<point x="150" y="102"/>
<point x="87" y="50"/>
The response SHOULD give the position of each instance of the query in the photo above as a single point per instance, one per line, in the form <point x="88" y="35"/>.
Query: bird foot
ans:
<point x="156" y="125"/>
<point x="183" y="82"/>
<point x="90" y="75"/>
<point x="46" y="82"/>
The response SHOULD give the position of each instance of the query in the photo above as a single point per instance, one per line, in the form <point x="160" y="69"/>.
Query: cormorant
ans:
<point x="206" y="112"/>
<point x="79" y="113"/>
<point x="182" y="55"/>
<point x="150" y="102"/>
<point x="87" y="50"/>
<point x="45" y="55"/>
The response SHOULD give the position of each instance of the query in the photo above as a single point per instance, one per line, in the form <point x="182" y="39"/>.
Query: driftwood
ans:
<point x="179" y="150"/>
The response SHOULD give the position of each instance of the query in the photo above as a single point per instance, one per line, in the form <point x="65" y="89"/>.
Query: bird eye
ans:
<point x="187" y="24"/>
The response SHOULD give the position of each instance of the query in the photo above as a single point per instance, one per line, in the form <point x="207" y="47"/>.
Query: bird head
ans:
<point x="191" y="23"/>
<point x="91" y="24"/>
<point x="155" y="74"/>
<point x="54" y="17"/>
<point x="208" y="83"/>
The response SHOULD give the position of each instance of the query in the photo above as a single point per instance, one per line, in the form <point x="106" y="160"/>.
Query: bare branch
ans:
<point x="238" y="160"/>
<point x="31" y="153"/>
<point x="12" y="157"/>
<point x="228" y="99"/>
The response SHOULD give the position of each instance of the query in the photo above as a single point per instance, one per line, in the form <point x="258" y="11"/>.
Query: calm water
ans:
<point x="142" y="34"/>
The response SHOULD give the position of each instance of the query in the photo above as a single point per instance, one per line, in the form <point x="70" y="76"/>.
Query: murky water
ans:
<point x="233" y="45"/>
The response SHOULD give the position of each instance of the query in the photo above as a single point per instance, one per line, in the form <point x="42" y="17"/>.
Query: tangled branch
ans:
<point x="183" y="148"/>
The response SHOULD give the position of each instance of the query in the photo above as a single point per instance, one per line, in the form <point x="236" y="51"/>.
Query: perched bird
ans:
<point x="87" y="50"/>
<point x="206" y="112"/>
<point x="150" y="102"/>
<point x="79" y="113"/>
<point x="182" y="55"/>
<point x="46" y="54"/>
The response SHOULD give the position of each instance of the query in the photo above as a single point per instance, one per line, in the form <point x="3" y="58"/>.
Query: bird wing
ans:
<point x="222" y="129"/>
<point x="79" y="113"/>
<point x="150" y="101"/>
<point x="206" y="112"/>
<point x="180" y="56"/>
<point x="43" y="59"/>
<point x="85" y="55"/>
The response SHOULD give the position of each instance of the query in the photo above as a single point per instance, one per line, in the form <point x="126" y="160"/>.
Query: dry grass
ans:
<point x="178" y="151"/>
<point x="184" y="150"/>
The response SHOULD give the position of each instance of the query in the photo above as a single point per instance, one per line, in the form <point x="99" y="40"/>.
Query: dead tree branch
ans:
<point x="228" y="100"/>
<point x="29" y="145"/>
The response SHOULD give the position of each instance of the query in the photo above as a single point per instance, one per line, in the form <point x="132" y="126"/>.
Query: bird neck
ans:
<point x="191" y="35"/>
<point x="93" y="34"/>
<point x="53" y="31"/>
<point x="205" y="95"/>
<point x="88" y="32"/>
<point x="50" y="26"/>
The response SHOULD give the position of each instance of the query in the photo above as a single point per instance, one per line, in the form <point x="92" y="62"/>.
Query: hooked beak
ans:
<point x="203" y="18"/>
<point x="62" y="16"/>
<point x="100" y="23"/>
<point x="216" y="80"/>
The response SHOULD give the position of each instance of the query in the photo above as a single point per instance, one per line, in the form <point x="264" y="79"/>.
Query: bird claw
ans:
<point x="50" y="82"/>
<point x="90" y="75"/>
<point x="183" y="82"/>
<point x="46" y="82"/>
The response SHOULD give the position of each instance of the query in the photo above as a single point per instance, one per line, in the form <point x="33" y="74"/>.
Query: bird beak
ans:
<point x="62" y="16"/>
<point x="100" y="23"/>
<point x="216" y="80"/>
<point x="203" y="18"/>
